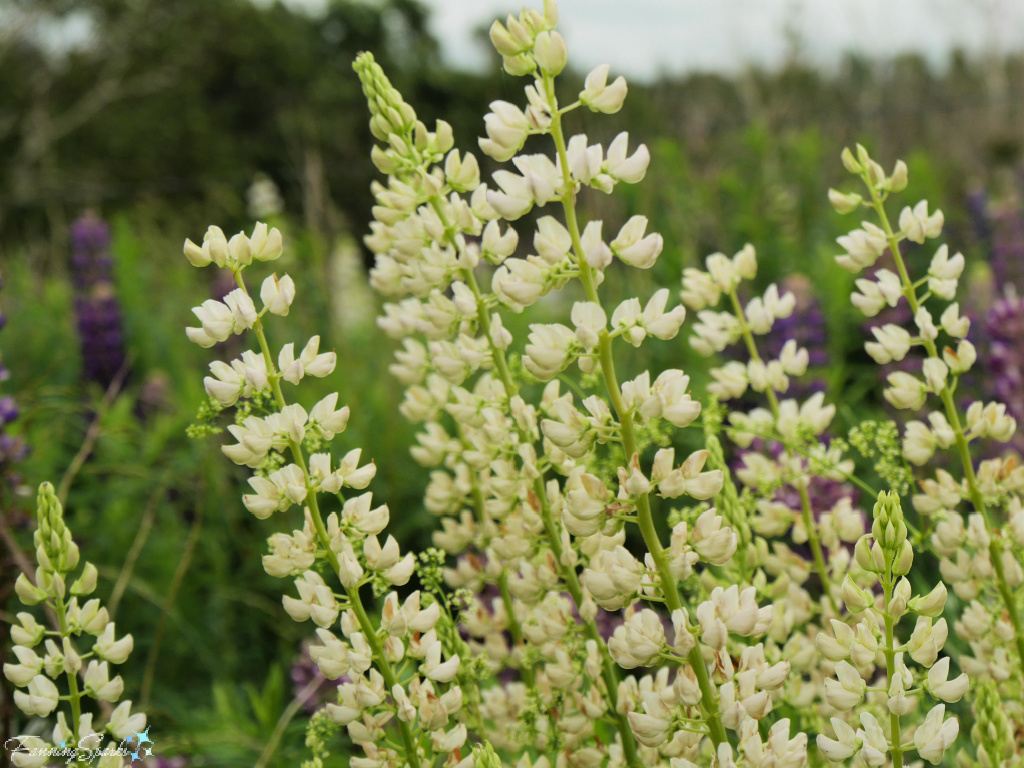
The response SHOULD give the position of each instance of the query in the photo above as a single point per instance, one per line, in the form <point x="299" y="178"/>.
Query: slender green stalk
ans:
<point x="953" y="416"/>
<point x="709" y="696"/>
<point x="805" y="500"/>
<point x="609" y="670"/>
<point x="890" y="672"/>
<point x="369" y="631"/>
<point x="76" y="696"/>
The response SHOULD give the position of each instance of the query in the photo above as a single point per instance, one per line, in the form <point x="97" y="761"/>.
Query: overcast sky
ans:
<point x="641" y="38"/>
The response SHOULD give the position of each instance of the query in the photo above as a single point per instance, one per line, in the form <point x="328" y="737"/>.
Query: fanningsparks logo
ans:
<point x="89" y="749"/>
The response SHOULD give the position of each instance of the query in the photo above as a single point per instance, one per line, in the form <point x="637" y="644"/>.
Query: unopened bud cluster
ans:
<point x="50" y="665"/>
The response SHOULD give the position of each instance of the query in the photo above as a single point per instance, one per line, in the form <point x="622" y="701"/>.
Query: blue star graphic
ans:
<point x="143" y="737"/>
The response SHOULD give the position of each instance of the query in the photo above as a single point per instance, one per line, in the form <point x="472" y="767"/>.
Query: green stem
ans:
<point x="709" y="696"/>
<point x="890" y="673"/>
<point x="76" y="696"/>
<point x="609" y="670"/>
<point x="806" y="512"/>
<point x="369" y="631"/>
<point x="953" y="416"/>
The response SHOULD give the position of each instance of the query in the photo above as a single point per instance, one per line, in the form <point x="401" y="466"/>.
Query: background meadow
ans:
<point x="181" y="114"/>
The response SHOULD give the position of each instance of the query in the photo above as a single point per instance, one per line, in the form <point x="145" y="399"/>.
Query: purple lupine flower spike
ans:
<point x="96" y="307"/>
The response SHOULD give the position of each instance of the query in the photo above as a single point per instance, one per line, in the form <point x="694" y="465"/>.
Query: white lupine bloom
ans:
<point x="990" y="420"/>
<point x="40" y="698"/>
<point x="217" y="323"/>
<point x="935" y="372"/>
<point x="613" y="578"/>
<point x="874" y="746"/>
<point x="325" y="420"/>
<point x="462" y="171"/>
<point x="435" y="669"/>
<point x="845" y="692"/>
<point x="29" y="665"/>
<point x="944" y="273"/>
<point x="933" y="737"/>
<point x="497" y="246"/>
<point x="109" y="649"/>
<point x="631" y="169"/>
<point x="27" y="632"/>
<point x="961" y="359"/>
<point x="99" y="685"/>
<point x="892" y="343"/>
<point x="627" y="317"/>
<point x="552" y="240"/>
<point x="917" y="225"/>
<point x="948" y="690"/>
<point x="714" y="543"/>
<point x="730" y="610"/>
<point x="670" y="400"/>
<point x="794" y="359"/>
<point x="518" y="283"/>
<point x="838" y="648"/>
<point x="863" y="247"/>
<point x="242" y="309"/>
<point x="228" y="385"/>
<point x="549" y="350"/>
<point x="927" y="640"/>
<point x="638" y="641"/>
<point x="599" y="95"/>
<point x="123" y="724"/>
<point x="730" y="382"/>
<point x="660" y="324"/>
<point x="714" y="332"/>
<point x="277" y="294"/>
<point x="309" y="363"/>
<point x="723" y="272"/>
<point x="699" y="289"/>
<point x="362" y="520"/>
<point x="589" y="319"/>
<point x="585" y="163"/>
<point x="596" y="252"/>
<point x="870" y="302"/>
<point x="918" y="443"/>
<point x="905" y="391"/>
<point x="635" y="249"/>
<point x="507" y="129"/>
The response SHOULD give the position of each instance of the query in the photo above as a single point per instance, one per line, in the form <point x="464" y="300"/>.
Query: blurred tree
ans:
<point x="187" y="101"/>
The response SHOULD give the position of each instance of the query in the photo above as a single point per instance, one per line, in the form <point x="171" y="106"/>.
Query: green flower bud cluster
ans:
<point x="991" y="735"/>
<point x="890" y="550"/>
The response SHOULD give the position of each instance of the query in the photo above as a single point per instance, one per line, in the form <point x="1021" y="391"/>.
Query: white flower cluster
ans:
<point x="40" y="671"/>
<point x="980" y="545"/>
<point x="400" y="669"/>
<point x="522" y="507"/>
<point x="884" y="557"/>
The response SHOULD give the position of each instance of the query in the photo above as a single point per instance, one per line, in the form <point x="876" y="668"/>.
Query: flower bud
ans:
<point x="856" y="599"/>
<point x="904" y="559"/>
<point x="850" y="162"/>
<point x="844" y="203"/>
<point x="551" y="53"/>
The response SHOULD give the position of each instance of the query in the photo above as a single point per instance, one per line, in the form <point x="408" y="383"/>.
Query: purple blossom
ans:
<point x="97" y="309"/>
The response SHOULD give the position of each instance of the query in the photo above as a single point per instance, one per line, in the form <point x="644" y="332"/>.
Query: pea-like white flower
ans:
<point x="599" y="95"/>
<point x="631" y="169"/>
<point x="846" y="691"/>
<point x="933" y="737"/>
<point x="892" y="343"/>
<point x="917" y="225"/>
<point x="507" y="129"/>
<point x="278" y="294"/>
<point x="633" y="248"/>
<point x="863" y="247"/>
<point x="98" y="683"/>
<point x="123" y="724"/>
<point x="109" y="649"/>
